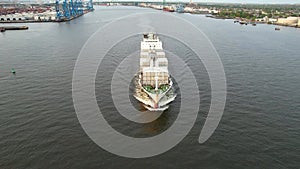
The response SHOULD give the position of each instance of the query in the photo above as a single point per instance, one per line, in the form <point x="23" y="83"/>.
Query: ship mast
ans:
<point x="156" y="82"/>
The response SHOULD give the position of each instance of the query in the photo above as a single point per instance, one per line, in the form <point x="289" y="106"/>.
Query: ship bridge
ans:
<point x="151" y="42"/>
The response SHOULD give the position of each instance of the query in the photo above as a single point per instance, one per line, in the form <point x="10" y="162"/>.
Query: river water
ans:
<point x="259" y="128"/>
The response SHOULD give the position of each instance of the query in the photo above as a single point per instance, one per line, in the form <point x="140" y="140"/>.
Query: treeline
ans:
<point x="258" y="11"/>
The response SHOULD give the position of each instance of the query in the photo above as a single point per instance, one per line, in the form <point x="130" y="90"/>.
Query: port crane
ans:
<point x="90" y="5"/>
<point x="164" y="2"/>
<point x="71" y="8"/>
<point x="57" y="9"/>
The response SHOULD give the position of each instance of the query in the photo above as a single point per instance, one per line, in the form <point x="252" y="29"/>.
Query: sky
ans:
<point x="254" y="1"/>
<point x="229" y="1"/>
<point x="215" y="1"/>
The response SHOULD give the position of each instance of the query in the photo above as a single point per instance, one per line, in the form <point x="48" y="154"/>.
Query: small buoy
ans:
<point x="13" y="71"/>
<point x="2" y="29"/>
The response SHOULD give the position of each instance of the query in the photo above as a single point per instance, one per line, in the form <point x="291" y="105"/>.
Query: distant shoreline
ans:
<point x="282" y="15"/>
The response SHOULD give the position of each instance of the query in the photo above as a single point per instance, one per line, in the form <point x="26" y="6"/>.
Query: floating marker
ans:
<point x="13" y="71"/>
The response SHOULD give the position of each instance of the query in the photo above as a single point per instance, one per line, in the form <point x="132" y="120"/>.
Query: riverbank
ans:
<point x="32" y="13"/>
<point x="42" y="19"/>
<point x="243" y="21"/>
<point x="283" y="15"/>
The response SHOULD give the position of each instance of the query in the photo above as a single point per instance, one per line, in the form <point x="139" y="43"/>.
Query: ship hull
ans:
<point x="168" y="10"/>
<point x="149" y="99"/>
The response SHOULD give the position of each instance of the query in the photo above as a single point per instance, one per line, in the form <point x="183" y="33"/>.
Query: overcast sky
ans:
<point x="254" y="1"/>
<point x="230" y="1"/>
<point x="216" y="1"/>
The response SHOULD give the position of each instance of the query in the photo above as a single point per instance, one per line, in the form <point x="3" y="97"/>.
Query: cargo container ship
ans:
<point x="154" y="86"/>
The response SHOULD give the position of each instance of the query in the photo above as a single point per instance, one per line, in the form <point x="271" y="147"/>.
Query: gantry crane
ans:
<point x="70" y="8"/>
<point x="90" y="5"/>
